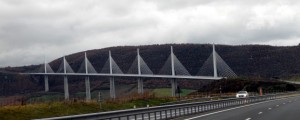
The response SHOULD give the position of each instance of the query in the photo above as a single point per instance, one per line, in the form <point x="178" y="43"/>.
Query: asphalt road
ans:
<point x="283" y="109"/>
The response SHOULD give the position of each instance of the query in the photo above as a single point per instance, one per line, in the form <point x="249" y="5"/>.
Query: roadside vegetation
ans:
<point x="162" y="92"/>
<point x="72" y="107"/>
<point x="294" y="79"/>
<point x="215" y="90"/>
<point x="248" y="84"/>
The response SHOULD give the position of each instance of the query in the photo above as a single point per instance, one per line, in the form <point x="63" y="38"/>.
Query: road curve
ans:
<point x="282" y="109"/>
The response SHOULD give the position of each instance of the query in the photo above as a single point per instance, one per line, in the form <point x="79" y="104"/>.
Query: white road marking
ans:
<point x="283" y="103"/>
<point x="260" y="113"/>
<point x="270" y="108"/>
<point x="227" y="110"/>
<point x="233" y="109"/>
<point x="277" y="105"/>
<point x="248" y="119"/>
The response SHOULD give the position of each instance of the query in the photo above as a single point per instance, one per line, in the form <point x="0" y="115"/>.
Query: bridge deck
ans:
<point x="129" y="75"/>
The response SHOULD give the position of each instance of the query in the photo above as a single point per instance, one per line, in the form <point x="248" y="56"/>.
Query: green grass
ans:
<point x="187" y="91"/>
<point x="54" y="109"/>
<point x="295" y="79"/>
<point x="161" y="92"/>
<point x="45" y="98"/>
<point x="32" y="111"/>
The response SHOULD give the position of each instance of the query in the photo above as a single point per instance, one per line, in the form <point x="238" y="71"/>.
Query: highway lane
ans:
<point x="161" y="115"/>
<point x="283" y="109"/>
<point x="167" y="114"/>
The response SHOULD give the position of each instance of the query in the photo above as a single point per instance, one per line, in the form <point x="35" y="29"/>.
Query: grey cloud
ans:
<point x="30" y="29"/>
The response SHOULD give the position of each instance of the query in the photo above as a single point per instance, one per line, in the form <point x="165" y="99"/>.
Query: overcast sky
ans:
<point x="32" y="29"/>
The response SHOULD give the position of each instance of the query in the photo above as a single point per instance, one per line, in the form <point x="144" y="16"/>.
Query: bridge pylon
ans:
<point x="173" y="81"/>
<point x="66" y="84"/>
<point x="46" y="69"/>
<point x="111" y="79"/>
<point x="214" y="68"/>
<point x="46" y="79"/>
<point x="87" y="80"/>
<point x="140" y="80"/>
<point x="64" y="69"/>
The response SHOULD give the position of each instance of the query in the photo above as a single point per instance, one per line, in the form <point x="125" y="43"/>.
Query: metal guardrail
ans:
<point x="196" y="100"/>
<point x="166" y="111"/>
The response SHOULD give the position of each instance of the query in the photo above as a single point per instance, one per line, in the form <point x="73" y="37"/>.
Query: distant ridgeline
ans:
<point x="245" y="60"/>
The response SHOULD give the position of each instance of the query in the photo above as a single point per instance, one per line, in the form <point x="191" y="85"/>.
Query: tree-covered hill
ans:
<point x="245" y="60"/>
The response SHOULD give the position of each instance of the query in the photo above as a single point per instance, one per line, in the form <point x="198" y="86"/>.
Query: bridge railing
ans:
<point x="167" y="111"/>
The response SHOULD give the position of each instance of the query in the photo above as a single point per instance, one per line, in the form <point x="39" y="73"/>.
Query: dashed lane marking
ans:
<point x="228" y="110"/>
<point x="232" y="109"/>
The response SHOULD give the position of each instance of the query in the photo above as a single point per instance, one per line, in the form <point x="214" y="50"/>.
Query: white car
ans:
<point x="242" y="94"/>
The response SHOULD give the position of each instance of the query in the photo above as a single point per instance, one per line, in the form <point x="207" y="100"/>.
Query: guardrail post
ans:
<point x="222" y="105"/>
<point x="179" y="111"/>
<point x="207" y="107"/>
<point x="215" y="106"/>
<point x="175" y="112"/>
<point x="166" y="114"/>
<point x="226" y="104"/>
<point x="160" y="114"/>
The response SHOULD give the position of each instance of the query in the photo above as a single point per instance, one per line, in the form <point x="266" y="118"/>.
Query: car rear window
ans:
<point x="242" y="92"/>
